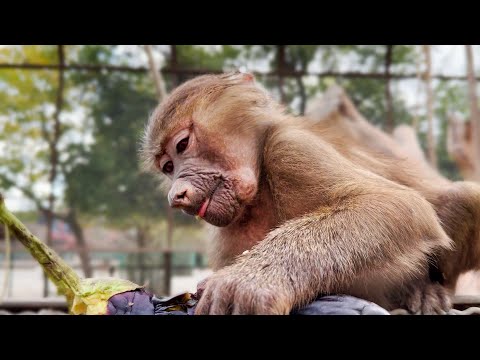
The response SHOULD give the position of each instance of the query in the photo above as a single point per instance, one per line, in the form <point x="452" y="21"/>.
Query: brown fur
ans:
<point x="399" y="159"/>
<point x="319" y="222"/>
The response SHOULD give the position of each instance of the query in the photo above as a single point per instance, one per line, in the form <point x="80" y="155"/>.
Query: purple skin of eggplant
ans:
<point x="137" y="302"/>
<point x="140" y="302"/>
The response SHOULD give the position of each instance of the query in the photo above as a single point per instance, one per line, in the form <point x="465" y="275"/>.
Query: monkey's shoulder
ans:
<point x="294" y="139"/>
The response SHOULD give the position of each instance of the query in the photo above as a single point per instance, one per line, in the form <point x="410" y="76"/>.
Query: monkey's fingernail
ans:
<point x="245" y="252"/>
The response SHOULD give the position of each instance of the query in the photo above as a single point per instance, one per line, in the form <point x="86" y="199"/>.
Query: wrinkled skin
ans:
<point x="200" y="185"/>
<point x="222" y="187"/>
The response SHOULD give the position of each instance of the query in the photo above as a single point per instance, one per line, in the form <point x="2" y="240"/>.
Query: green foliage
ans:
<point x="26" y="116"/>
<point x="108" y="182"/>
<point x="211" y="58"/>
<point x="27" y="216"/>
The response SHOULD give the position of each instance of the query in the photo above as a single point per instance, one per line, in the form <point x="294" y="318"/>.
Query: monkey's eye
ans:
<point x="182" y="145"/>
<point x="168" y="167"/>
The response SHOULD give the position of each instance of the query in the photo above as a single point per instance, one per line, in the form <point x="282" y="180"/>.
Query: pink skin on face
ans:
<point x="241" y="175"/>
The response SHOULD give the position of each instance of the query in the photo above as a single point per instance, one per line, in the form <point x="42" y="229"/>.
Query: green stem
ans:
<point x="62" y="275"/>
<point x="6" y="267"/>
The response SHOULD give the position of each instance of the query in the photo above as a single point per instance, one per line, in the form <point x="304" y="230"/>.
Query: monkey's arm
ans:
<point x="370" y="234"/>
<point x="456" y="203"/>
<point x="334" y="250"/>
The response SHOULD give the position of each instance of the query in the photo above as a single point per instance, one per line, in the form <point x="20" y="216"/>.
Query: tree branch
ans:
<point x="157" y="77"/>
<point x="281" y="70"/>
<point x="474" y="111"/>
<point x="431" y="146"/>
<point x="388" y="94"/>
<point x="27" y="192"/>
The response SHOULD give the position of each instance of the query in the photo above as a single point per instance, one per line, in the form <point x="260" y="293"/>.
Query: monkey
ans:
<point x="457" y="203"/>
<point x="292" y="216"/>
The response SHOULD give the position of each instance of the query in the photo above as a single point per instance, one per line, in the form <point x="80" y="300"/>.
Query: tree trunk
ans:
<point x="179" y="75"/>
<point x="141" y="244"/>
<point x="161" y="94"/>
<point x="303" y="95"/>
<point x="388" y="94"/>
<point x="463" y="139"/>
<point x="418" y="66"/>
<point x="281" y="69"/>
<point x="474" y="113"/>
<point x="82" y="246"/>
<point x="53" y="143"/>
<point x="431" y="147"/>
<point x="157" y="77"/>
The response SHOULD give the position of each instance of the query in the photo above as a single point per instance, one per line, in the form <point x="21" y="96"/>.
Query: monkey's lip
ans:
<point x="203" y="208"/>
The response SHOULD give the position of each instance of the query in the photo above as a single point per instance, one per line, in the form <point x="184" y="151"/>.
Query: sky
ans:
<point x="446" y="60"/>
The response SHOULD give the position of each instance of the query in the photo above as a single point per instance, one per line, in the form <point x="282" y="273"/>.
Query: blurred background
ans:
<point x="71" y="117"/>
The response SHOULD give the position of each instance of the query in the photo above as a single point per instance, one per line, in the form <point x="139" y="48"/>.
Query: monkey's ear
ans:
<point x="247" y="77"/>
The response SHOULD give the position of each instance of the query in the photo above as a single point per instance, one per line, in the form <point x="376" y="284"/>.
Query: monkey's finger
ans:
<point x="243" y="305"/>
<point x="435" y="300"/>
<point x="236" y="309"/>
<point x="201" y="287"/>
<point x="446" y="302"/>
<point x="203" y="306"/>
<point x="222" y="303"/>
<point x="431" y="306"/>
<point x="259" y="303"/>
<point x="247" y="309"/>
<point x="414" y="302"/>
<point x="271" y="302"/>
<point x="271" y="309"/>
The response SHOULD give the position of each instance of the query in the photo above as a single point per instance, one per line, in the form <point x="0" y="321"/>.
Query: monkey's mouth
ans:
<point x="203" y="208"/>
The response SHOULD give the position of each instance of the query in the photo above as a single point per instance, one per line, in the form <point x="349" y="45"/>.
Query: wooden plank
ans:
<point x="15" y="306"/>
<point x="462" y="302"/>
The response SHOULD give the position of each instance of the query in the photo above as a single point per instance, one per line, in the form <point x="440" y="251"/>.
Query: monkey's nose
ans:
<point x="180" y="195"/>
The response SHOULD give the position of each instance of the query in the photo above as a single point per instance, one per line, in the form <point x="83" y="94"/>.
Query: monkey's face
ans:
<point x="206" y="137"/>
<point x="213" y="177"/>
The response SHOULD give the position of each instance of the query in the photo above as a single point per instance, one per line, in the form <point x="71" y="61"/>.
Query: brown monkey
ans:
<point x="457" y="203"/>
<point x="294" y="217"/>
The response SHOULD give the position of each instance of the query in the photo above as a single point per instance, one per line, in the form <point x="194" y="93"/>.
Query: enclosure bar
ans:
<point x="200" y="71"/>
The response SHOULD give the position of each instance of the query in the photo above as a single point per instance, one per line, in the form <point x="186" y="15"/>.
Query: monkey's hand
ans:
<point x="426" y="298"/>
<point x="238" y="290"/>
<point x="327" y="252"/>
